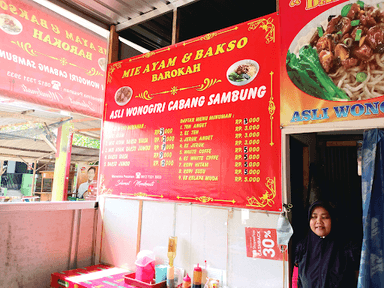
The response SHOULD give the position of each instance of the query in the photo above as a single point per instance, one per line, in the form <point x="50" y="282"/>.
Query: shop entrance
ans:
<point x="325" y="166"/>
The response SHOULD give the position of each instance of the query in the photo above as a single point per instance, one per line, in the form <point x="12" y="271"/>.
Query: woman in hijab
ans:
<point x="325" y="257"/>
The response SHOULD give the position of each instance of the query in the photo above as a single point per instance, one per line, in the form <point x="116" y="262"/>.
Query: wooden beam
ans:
<point x="24" y="149"/>
<point x="113" y="45"/>
<point x="87" y="134"/>
<point x="139" y="226"/>
<point x="37" y="160"/>
<point x="16" y="157"/>
<point x="341" y="143"/>
<point x="88" y="129"/>
<point x="33" y="178"/>
<point x="49" y="143"/>
<point x="83" y="120"/>
<point x="175" y="26"/>
<point x="31" y="118"/>
<point x="42" y="157"/>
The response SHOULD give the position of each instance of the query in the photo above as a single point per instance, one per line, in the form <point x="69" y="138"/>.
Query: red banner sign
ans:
<point x="198" y="121"/>
<point x="332" y="61"/>
<point x="49" y="60"/>
<point x="262" y="243"/>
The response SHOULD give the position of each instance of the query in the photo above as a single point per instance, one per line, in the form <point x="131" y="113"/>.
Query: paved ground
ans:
<point x="14" y="193"/>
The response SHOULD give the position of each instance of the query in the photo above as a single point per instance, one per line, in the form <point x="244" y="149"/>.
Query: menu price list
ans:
<point x="192" y="150"/>
<point x="247" y="150"/>
<point x="164" y="144"/>
<point x="199" y="154"/>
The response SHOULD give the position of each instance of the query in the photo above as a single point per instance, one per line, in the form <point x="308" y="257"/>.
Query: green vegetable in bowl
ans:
<point x="309" y="76"/>
<point x="361" y="4"/>
<point x="345" y="10"/>
<point x="238" y="77"/>
<point x="299" y="75"/>
<point x="361" y="77"/>
<point x="358" y="34"/>
<point x="320" y="31"/>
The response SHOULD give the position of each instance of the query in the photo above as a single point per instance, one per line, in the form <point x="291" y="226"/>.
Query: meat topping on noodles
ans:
<point x="353" y="41"/>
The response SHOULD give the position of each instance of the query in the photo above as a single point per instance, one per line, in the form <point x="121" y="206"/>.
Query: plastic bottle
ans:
<point x="171" y="277"/>
<point x="172" y="245"/>
<point x="197" y="274"/>
<point x="186" y="282"/>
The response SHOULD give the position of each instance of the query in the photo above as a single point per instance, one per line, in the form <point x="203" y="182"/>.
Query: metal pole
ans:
<point x="33" y="178"/>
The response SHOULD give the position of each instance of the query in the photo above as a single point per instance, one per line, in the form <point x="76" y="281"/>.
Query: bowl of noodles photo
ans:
<point x="123" y="95"/>
<point x="339" y="55"/>
<point x="242" y="72"/>
<point x="10" y="25"/>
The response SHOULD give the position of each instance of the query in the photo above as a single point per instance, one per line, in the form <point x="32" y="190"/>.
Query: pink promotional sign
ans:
<point x="48" y="60"/>
<point x="262" y="243"/>
<point x="198" y="121"/>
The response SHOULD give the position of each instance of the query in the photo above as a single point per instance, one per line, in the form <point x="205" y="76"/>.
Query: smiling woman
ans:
<point x="325" y="252"/>
<point x="320" y="222"/>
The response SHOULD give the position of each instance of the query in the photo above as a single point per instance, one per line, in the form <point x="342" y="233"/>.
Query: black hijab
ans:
<point x="328" y="261"/>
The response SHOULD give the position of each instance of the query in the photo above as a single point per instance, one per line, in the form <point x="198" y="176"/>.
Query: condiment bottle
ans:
<point x="172" y="244"/>
<point x="197" y="274"/>
<point x="171" y="277"/>
<point x="186" y="282"/>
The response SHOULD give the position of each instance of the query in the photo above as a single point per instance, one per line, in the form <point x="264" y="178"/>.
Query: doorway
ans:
<point x="325" y="166"/>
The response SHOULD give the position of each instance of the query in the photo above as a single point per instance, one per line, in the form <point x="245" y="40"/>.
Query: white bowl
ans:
<point x="233" y="67"/>
<point x="3" y="26"/>
<point x="122" y="103"/>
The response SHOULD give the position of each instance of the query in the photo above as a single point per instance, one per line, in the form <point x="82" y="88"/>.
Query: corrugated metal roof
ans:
<point x="28" y="145"/>
<point x="14" y="112"/>
<point x="122" y="13"/>
<point x="30" y="150"/>
<point x="149" y="23"/>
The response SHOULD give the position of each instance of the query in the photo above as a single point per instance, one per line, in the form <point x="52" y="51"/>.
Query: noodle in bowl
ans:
<point x="371" y="87"/>
<point x="10" y="25"/>
<point x="369" y="67"/>
<point x="242" y="72"/>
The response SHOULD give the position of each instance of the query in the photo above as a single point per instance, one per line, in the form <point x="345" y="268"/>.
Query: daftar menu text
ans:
<point x="197" y="121"/>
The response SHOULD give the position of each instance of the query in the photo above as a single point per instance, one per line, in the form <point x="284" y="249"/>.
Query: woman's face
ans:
<point x="320" y="221"/>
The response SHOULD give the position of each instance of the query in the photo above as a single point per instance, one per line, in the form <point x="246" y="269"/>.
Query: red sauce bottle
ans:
<point x="197" y="274"/>
<point x="186" y="282"/>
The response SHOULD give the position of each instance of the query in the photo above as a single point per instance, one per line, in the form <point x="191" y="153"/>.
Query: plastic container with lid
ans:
<point x="145" y="266"/>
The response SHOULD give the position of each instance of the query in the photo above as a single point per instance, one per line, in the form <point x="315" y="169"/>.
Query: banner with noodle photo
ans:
<point x="332" y="61"/>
